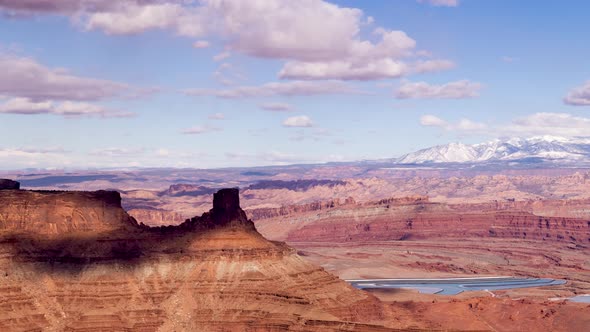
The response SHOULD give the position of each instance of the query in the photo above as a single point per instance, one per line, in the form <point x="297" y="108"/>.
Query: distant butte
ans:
<point x="6" y="184"/>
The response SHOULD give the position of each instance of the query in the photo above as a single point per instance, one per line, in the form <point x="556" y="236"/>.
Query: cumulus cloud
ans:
<point x="579" y="96"/>
<point x="363" y="60"/>
<point x="558" y="124"/>
<point x="131" y="17"/>
<point x="320" y="40"/>
<point x="291" y="88"/>
<point x="441" y="3"/>
<point x="344" y="70"/>
<point x="276" y="107"/>
<point x="452" y="90"/>
<point x="24" y="77"/>
<point x="197" y="130"/>
<point x="298" y="121"/>
<point x="26" y="106"/>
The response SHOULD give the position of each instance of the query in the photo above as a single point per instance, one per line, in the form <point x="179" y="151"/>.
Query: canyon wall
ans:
<point x="59" y="212"/>
<point x="75" y="261"/>
<point x="417" y="218"/>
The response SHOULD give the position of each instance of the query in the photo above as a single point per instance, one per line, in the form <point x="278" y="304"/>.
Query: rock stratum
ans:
<point x="76" y="261"/>
<point x="417" y="218"/>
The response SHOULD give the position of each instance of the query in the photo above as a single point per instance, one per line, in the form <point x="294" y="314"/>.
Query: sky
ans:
<point x="219" y="83"/>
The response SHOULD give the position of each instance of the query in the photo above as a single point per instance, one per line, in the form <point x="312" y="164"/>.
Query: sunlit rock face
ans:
<point x="76" y="261"/>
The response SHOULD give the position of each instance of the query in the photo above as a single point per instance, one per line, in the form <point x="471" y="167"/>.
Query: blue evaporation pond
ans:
<point x="453" y="286"/>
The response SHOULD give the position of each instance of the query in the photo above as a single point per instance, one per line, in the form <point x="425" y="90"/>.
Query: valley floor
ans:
<point x="524" y="309"/>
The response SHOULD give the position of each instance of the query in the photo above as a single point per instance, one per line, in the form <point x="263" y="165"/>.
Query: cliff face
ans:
<point x="265" y="213"/>
<point x="155" y="217"/>
<point x="55" y="212"/>
<point x="419" y="219"/>
<point x="98" y="270"/>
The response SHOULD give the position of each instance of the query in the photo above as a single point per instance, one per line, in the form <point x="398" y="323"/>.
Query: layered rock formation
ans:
<point x="157" y="217"/>
<point x="53" y="213"/>
<point x="416" y="218"/>
<point x="77" y="262"/>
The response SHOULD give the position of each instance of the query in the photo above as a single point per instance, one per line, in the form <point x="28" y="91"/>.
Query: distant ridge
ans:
<point x="540" y="147"/>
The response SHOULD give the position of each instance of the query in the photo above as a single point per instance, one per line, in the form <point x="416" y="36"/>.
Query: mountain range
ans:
<point x="514" y="149"/>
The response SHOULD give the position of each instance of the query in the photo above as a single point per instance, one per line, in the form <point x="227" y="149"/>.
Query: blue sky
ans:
<point x="216" y="83"/>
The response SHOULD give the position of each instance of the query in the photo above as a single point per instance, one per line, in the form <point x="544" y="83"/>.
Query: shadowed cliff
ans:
<point x="76" y="261"/>
<point x="81" y="228"/>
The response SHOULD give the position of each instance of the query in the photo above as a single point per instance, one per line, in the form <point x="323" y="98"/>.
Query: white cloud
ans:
<point x="298" y="121"/>
<point x="463" y="125"/>
<point x="228" y="74"/>
<point x="197" y="130"/>
<point x="319" y="39"/>
<point x="216" y="116"/>
<point x="130" y="17"/>
<point x="221" y="56"/>
<point x="201" y="44"/>
<point x="276" y="107"/>
<point x="432" y="66"/>
<point x="441" y="3"/>
<point x="26" y="106"/>
<point x="433" y="121"/>
<point x="579" y="96"/>
<point x="557" y="124"/>
<point x="344" y="70"/>
<point x="452" y="90"/>
<point x="291" y="88"/>
<point x="24" y="77"/>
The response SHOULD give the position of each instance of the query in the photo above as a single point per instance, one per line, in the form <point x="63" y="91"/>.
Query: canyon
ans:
<point x="77" y="261"/>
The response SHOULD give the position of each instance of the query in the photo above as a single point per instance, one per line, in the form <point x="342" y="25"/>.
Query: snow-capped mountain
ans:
<point x="543" y="147"/>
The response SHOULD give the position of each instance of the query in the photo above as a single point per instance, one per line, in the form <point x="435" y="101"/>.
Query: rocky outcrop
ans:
<point x="53" y="213"/>
<point x="6" y="184"/>
<point x="156" y="217"/>
<point x="385" y="227"/>
<point x="405" y="219"/>
<point x="265" y="213"/>
<point x="101" y="271"/>
<point x="297" y="185"/>
<point x="182" y="189"/>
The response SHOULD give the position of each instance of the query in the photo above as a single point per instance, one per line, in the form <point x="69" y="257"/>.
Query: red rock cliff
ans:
<point x="101" y="271"/>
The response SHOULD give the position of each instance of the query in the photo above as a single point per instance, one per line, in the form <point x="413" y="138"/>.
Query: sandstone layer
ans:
<point x="78" y="262"/>
<point x="414" y="218"/>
